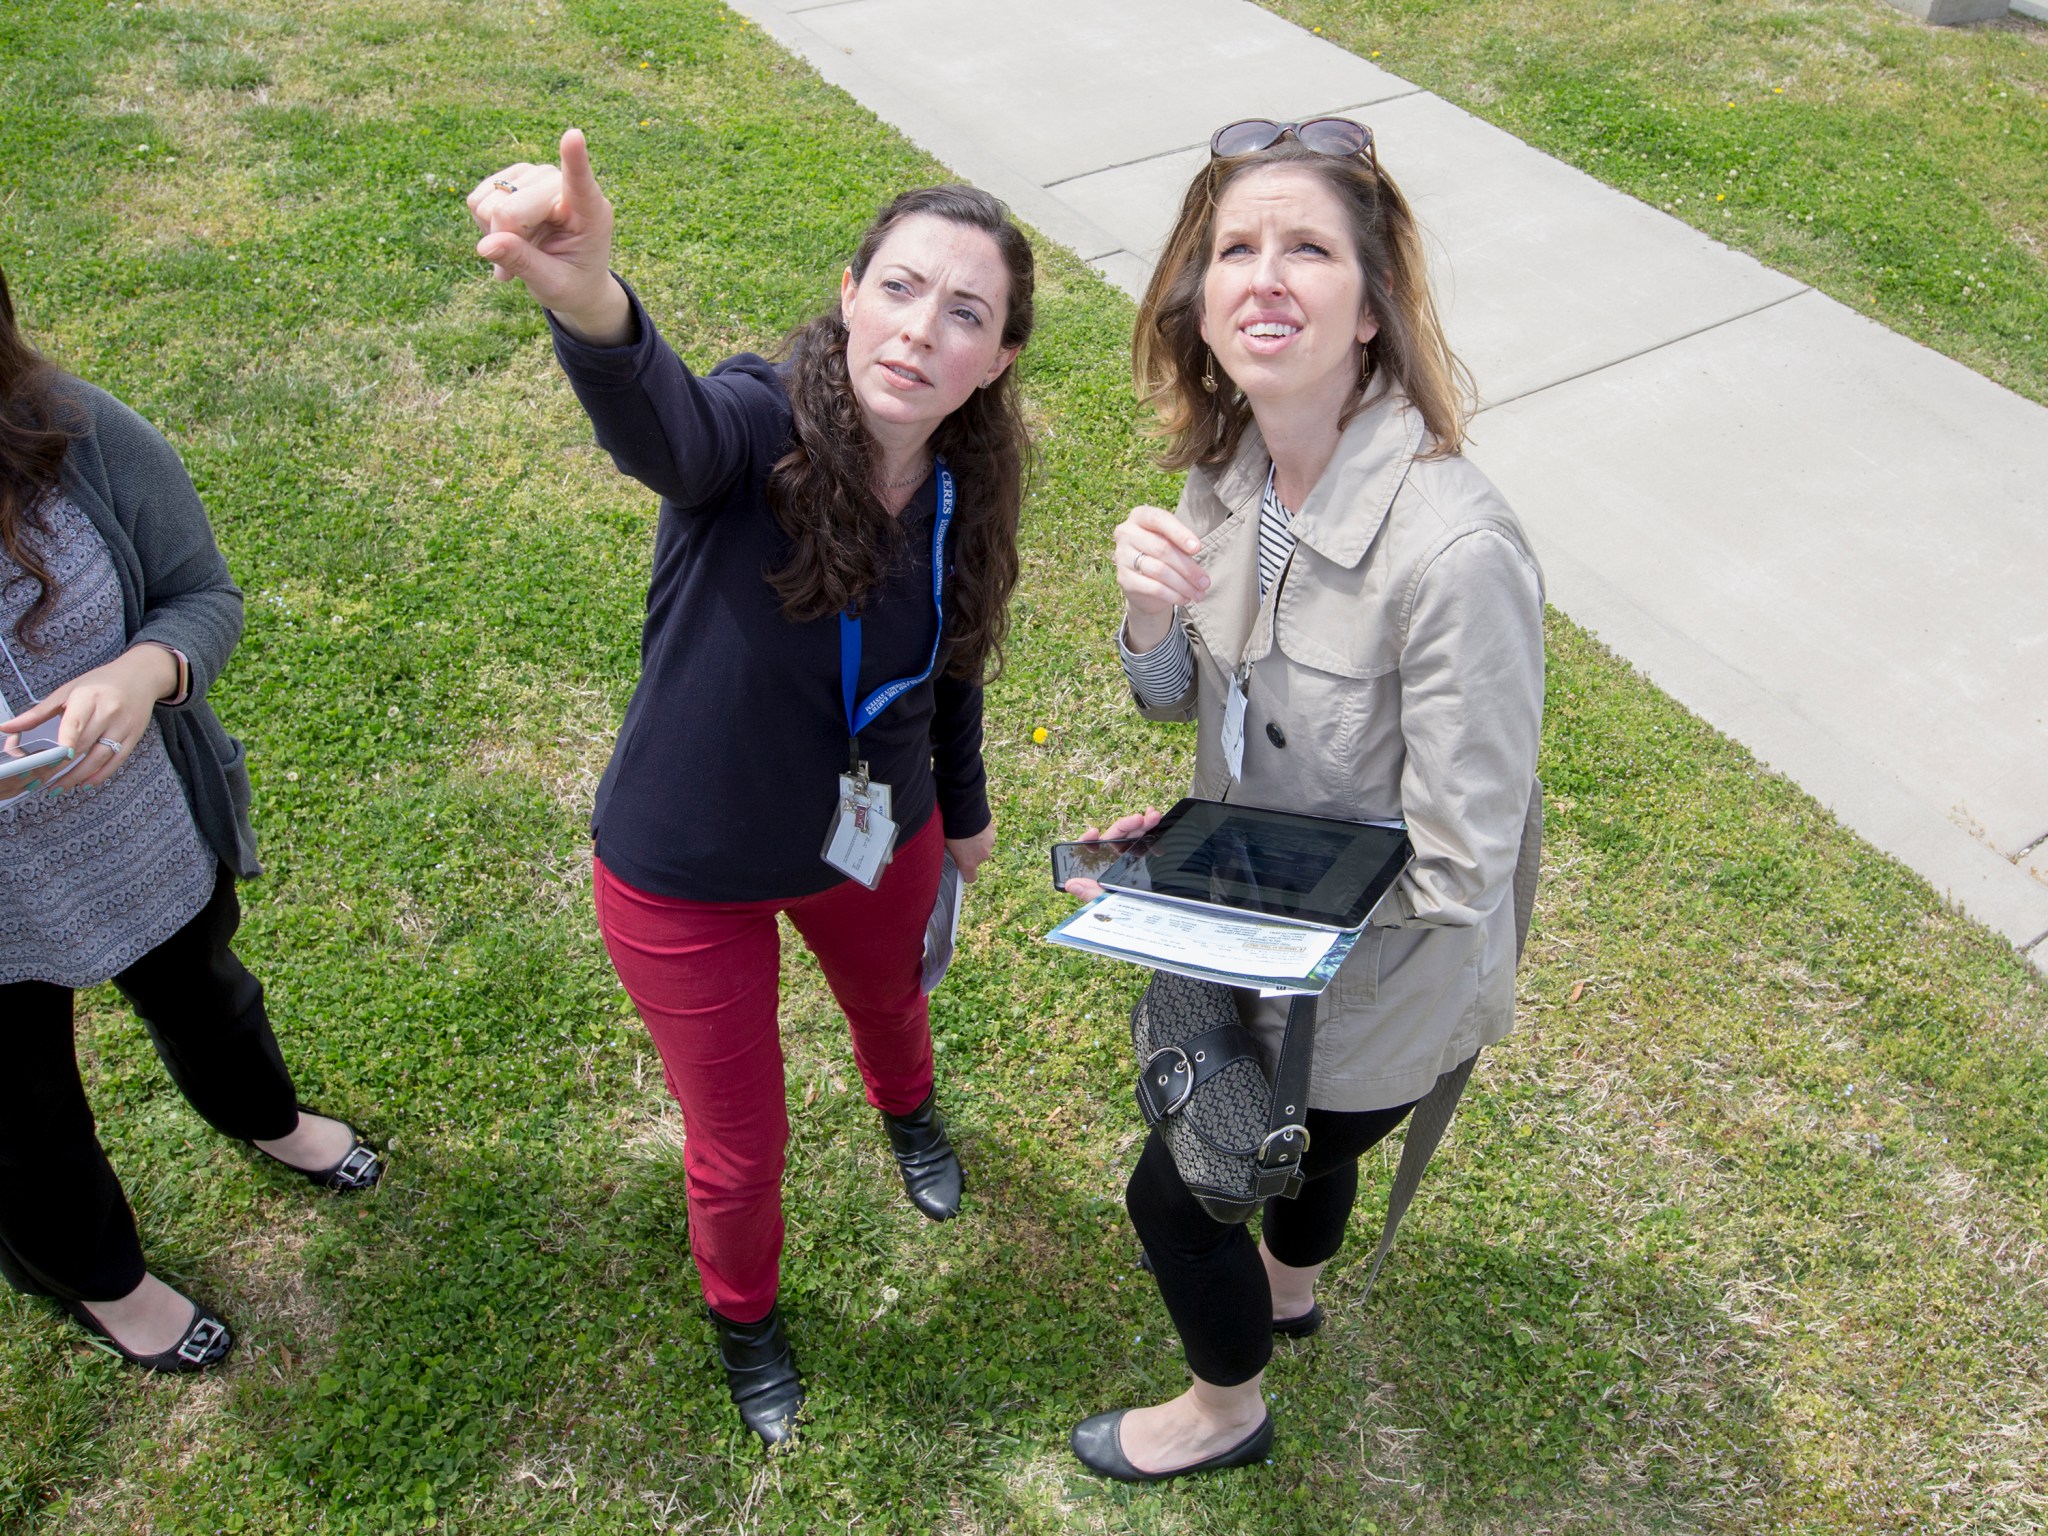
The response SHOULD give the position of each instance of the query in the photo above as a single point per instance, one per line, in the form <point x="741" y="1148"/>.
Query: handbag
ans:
<point x="1236" y="1136"/>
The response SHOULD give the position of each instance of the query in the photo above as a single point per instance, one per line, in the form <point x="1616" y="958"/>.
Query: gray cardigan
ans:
<point x="175" y="589"/>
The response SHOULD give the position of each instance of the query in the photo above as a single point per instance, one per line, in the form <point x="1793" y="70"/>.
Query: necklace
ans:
<point x="897" y="485"/>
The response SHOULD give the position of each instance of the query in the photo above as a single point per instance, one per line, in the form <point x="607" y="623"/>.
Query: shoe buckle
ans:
<point x="354" y="1168"/>
<point x="198" y="1344"/>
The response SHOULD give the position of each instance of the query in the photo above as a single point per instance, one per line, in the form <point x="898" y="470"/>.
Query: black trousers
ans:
<point x="1210" y="1273"/>
<point x="65" y="1227"/>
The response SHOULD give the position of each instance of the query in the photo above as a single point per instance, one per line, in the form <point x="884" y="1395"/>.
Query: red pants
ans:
<point x="704" y="974"/>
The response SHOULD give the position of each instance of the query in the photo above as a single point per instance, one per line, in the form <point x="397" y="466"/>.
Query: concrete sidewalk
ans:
<point x="1827" y="540"/>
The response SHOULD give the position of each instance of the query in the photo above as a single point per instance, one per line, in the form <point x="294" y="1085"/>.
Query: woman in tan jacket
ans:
<point x="1336" y="560"/>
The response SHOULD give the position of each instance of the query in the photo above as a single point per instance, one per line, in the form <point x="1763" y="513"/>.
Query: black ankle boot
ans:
<point x="761" y="1374"/>
<point x="931" y="1173"/>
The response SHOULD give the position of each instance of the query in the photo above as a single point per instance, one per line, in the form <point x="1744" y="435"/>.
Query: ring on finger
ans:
<point x="1138" y="562"/>
<point x="503" y="185"/>
<point x="112" y="745"/>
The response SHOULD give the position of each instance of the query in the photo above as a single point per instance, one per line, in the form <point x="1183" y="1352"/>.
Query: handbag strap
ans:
<point x="1277" y="1168"/>
<point x="1433" y="1111"/>
<point x="1427" y="1123"/>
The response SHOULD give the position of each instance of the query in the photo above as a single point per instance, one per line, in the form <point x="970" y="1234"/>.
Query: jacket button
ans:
<point x="1275" y="735"/>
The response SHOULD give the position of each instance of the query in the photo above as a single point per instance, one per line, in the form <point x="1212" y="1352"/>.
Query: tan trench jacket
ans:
<point x="1395" y="669"/>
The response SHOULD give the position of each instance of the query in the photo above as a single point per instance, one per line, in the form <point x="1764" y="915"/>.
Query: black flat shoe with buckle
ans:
<point x="358" y="1169"/>
<point x="931" y="1170"/>
<point x="1098" y="1442"/>
<point x="206" y="1341"/>
<point x="761" y="1374"/>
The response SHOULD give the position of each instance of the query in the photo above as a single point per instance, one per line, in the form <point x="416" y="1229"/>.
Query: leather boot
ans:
<point x="761" y="1374"/>
<point x="931" y="1173"/>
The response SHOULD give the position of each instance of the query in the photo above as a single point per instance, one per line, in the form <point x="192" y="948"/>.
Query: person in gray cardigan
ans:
<point x="118" y="860"/>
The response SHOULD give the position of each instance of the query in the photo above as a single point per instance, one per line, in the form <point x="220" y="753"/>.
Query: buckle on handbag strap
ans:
<point x="1266" y="1158"/>
<point x="1165" y="1084"/>
<point x="1279" y="1172"/>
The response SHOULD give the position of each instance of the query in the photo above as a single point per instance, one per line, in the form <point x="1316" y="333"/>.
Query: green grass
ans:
<point x="1741" y="1230"/>
<point x="1900" y="168"/>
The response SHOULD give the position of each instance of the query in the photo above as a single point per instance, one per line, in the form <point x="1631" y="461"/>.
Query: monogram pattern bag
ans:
<point x="1235" y="1136"/>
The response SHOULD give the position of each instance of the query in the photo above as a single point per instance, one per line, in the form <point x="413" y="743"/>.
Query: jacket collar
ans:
<point x="1339" y="521"/>
<point x="1344" y="512"/>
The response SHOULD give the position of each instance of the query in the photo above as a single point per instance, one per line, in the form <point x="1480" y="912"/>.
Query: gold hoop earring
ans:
<point x="1209" y="375"/>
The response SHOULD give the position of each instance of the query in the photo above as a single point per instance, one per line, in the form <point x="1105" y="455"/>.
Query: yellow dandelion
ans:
<point x="1039" y="735"/>
<point x="1731" y="104"/>
<point x="1720" y="197"/>
<point x="1777" y="90"/>
<point x="1375" y="53"/>
<point x="645" y="121"/>
<point x="643" y="65"/>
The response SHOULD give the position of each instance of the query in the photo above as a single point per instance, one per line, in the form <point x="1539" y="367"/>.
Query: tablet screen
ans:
<point x="1311" y="869"/>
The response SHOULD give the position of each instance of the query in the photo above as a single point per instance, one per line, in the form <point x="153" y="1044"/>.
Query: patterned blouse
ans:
<point x="93" y="880"/>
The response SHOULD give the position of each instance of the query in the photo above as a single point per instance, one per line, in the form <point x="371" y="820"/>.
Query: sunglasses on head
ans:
<point x="1338" y="136"/>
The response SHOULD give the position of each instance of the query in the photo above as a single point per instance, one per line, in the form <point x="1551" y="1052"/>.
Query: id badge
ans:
<point x="1233" y="730"/>
<point x="862" y="838"/>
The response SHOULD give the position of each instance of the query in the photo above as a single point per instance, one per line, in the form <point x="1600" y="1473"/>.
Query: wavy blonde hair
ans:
<point x="1169" y="357"/>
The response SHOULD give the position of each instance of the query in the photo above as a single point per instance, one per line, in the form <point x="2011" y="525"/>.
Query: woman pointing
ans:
<point x="832" y="566"/>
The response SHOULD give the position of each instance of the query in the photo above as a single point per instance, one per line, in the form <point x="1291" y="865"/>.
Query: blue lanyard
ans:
<point x="860" y="716"/>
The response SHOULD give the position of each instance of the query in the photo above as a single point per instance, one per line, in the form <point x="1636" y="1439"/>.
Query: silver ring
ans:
<point x="503" y="185"/>
<point x="112" y="745"/>
<point x="1138" y="563"/>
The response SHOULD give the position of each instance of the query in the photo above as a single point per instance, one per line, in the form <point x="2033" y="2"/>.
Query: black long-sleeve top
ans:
<point x="724" y="778"/>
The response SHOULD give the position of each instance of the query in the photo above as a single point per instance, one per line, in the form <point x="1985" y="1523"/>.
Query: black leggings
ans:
<point x="1210" y="1273"/>
<point x="65" y="1227"/>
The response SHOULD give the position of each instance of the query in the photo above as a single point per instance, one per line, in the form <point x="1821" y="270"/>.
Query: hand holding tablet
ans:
<point x="31" y="758"/>
<point x="1280" y="865"/>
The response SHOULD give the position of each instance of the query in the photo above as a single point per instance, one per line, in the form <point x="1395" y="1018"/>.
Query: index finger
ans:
<point x="580" y="191"/>
<point x="1162" y="522"/>
<point x="32" y="717"/>
<point x="1132" y="825"/>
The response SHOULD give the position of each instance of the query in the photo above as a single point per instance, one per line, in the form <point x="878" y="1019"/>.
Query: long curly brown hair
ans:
<point x="1169" y="359"/>
<point x="822" y="490"/>
<point x="36" y="429"/>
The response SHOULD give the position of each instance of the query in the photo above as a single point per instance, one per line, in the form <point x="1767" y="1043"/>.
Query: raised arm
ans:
<point x="685" y="438"/>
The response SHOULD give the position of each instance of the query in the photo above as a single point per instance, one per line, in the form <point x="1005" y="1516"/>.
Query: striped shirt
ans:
<point x="1164" y="673"/>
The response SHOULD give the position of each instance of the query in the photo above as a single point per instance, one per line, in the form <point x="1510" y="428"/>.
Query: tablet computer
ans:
<point x="1315" y="870"/>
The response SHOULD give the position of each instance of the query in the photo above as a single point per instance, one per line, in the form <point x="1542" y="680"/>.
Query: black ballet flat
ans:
<point x="358" y="1169"/>
<point x="1300" y="1327"/>
<point x="1098" y="1442"/>
<point x="761" y="1374"/>
<point x="206" y="1341"/>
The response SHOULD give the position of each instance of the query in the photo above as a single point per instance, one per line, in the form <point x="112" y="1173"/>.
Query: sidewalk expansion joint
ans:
<point x="1178" y="149"/>
<point x="1658" y="346"/>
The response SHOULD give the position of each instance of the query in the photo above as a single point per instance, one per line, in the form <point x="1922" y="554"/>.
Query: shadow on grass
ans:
<point x="521" y="1345"/>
